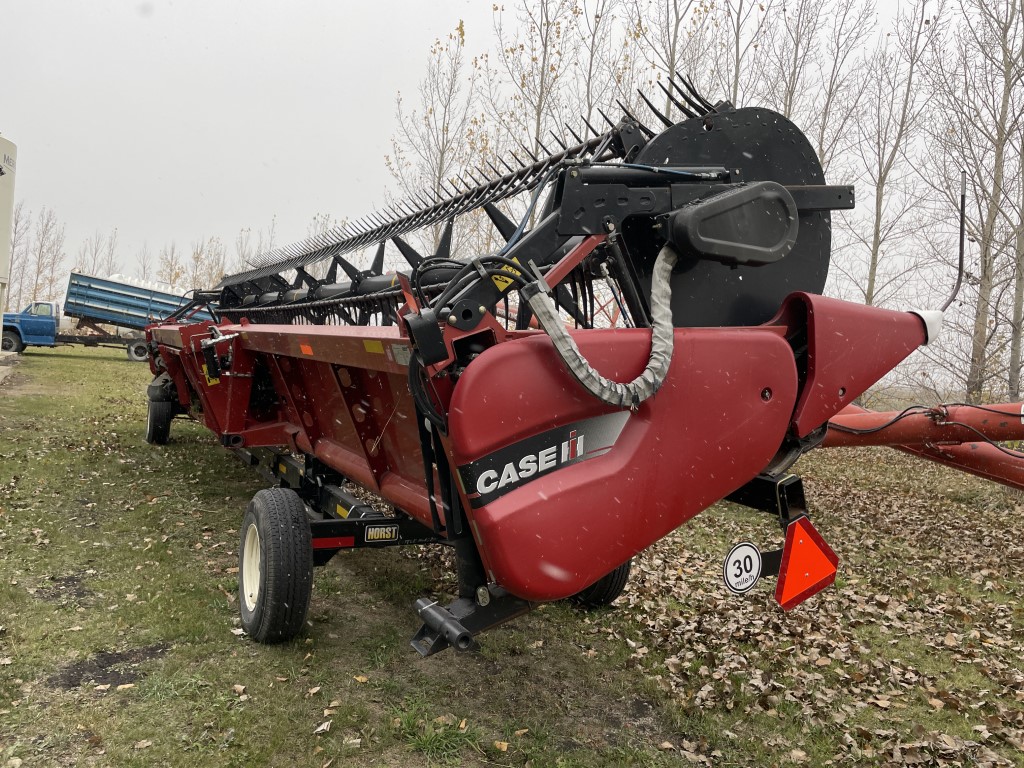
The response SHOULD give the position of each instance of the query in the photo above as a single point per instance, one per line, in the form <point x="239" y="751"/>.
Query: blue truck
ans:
<point x="95" y="302"/>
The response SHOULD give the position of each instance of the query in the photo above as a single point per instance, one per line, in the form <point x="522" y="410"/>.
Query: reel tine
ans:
<point x="678" y="104"/>
<point x="593" y="130"/>
<point x="410" y="253"/>
<point x="540" y="144"/>
<point x="606" y="118"/>
<point x="643" y="128"/>
<point x="561" y="143"/>
<point x="377" y="267"/>
<point x="444" y="245"/>
<point x="579" y="139"/>
<point x="528" y="152"/>
<point x="702" y="103"/>
<point x="505" y="226"/>
<point x="665" y="121"/>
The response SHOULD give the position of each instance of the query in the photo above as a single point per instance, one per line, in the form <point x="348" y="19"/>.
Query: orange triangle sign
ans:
<point x="808" y="564"/>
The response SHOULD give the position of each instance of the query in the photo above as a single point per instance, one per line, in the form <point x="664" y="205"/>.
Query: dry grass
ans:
<point x="116" y="566"/>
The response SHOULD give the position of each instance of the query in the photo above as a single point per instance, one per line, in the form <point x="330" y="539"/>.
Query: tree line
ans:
<point x="896" y="105"/>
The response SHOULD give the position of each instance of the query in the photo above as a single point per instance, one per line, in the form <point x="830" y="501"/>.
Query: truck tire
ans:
<point x="158" y="422"/>
<point x="138" y="351"/>
<point x="11" y="342"/>
<point x="603" y="591"/>
<point x="275" y="566"/>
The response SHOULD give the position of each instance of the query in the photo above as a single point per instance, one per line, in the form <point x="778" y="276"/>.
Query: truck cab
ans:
<point x="36" y="325"/>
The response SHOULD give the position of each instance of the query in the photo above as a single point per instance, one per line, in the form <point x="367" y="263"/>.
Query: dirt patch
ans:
<point x="106" y="668"/>
<point x="63" y="589"/>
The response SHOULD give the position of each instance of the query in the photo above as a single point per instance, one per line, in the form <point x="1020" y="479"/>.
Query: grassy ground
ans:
<point x="119" y="642"/>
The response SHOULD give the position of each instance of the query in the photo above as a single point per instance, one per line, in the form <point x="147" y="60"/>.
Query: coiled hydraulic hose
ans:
<point x="631" y="394"/>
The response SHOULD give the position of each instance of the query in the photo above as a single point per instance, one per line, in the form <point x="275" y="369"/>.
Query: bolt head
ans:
<point x="452" y="319"/>
<point x="483" y="596"/>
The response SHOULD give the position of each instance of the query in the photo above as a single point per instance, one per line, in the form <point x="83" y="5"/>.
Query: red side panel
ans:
<point x="715" y="423"/>
<point x="849" y="348"/>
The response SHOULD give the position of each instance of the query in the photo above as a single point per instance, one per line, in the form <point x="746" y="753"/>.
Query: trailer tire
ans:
<point x="11" y="342"/>
<point x="275" y="566"/>
<point x="604" y="591"/>
<point x="158" y="421"/>
<point x="138" y="351"/>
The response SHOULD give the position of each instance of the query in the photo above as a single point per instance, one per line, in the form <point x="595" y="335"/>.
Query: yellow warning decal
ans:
<point x="373" y="345"/>
<point x="281" y="468"/>
<point x="504" y="282"/>
<point x="209" y="382"/>
<point x="342" y="512"/>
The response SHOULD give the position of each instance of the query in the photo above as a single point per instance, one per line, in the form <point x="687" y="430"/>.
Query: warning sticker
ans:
<point x="742" y="568"/>
<point x="504" y="282"/>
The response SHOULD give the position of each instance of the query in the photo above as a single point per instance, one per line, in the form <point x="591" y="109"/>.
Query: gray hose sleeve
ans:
<point x="612" y="392"/>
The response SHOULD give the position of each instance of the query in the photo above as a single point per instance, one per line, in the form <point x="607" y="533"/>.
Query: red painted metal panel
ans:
<point x="715" y="423"/>
<point x="849" y="348"/>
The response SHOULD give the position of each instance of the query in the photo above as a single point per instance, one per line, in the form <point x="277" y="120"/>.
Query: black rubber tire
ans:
<point x="158" y="422"/>
<point x="138" y="351"/>
<point x="276" y="611"/>
<point x="603" y="591"/>
<point x="11" y="342"/>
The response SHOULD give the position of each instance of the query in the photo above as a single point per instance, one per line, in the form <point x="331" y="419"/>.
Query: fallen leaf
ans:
<point x="666" y="745"/>
<point x="937" y="703"/>
<point x="313" y="691"/>
<point x="520" y="732"/>
<point x="6" y="661"/>
<point x="502" y="745"/>
<point x="144" y="744"/>
<point x="238" y="631"/>
<point x="361" y="679"/>
<point x="238" y="689"/>
<point x="125" y="686"/>
<point x="328" y="712"/>
<point x="104" y="687"/>
<point x="324" y="727"/>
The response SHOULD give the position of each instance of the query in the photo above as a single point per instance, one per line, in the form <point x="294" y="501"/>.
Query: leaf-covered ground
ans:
<point x="119" y="642"/>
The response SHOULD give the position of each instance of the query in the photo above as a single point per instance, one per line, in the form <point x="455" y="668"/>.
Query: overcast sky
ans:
<point x="177" y="120"/>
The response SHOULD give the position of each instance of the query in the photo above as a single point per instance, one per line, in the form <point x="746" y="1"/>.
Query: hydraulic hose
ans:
<point x="631" y="394"/>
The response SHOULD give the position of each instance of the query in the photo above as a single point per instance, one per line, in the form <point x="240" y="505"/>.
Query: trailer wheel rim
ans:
<point x="251" y="567"/>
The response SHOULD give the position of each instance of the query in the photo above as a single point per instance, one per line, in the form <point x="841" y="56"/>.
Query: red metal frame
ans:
<point x="731" y="399"/>
<point x="946" y="434"/>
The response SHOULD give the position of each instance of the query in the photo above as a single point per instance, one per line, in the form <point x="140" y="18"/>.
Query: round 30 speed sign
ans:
<point x="742" y="568"/>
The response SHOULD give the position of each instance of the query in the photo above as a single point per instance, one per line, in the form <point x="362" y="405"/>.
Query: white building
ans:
<point x="8" y="161"/>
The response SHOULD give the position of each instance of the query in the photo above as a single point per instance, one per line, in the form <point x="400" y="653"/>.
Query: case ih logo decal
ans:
<point x="508" y="468"/>
<point x="375" y="533"/>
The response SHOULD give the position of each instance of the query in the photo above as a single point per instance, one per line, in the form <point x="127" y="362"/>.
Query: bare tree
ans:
<point x="532" y="62"/>
<point x="169" y="268"/>
<point x="812" y="71"/>
<point x="744" y="24"/>
<point x="672" y="36"/>
<point x="45" y="254"/>
<point x="16" y="288"/>
<point x="144" y="260"/>
<point x="90" y="254"/>
<point x="1017" y="320"/>
<point x="893" y="106"/>
<point x="978" y="116"/>
<point x="109" y="264"/>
